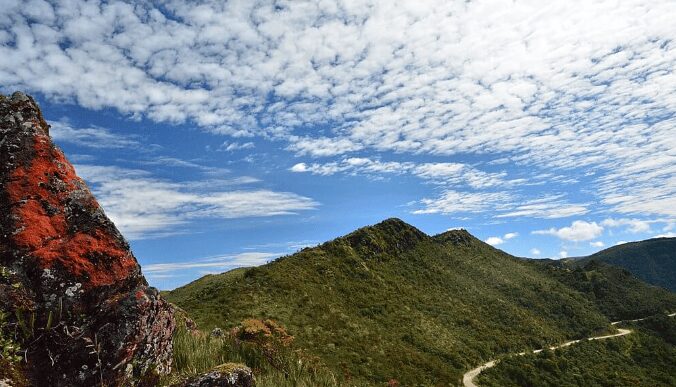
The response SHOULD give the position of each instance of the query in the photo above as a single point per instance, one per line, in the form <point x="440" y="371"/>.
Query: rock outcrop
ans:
<point x="226" y="375"/>
<point x="76" y="293"/>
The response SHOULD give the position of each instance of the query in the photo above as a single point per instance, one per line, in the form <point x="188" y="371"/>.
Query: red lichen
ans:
<point x="96" y="257"/>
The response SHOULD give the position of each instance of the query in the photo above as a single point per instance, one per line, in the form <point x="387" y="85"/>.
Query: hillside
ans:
<point x="652" y="260"/>
<point x="643" y="358"/>
<point x="388" y="301"/>
<point x="617" y="293"/>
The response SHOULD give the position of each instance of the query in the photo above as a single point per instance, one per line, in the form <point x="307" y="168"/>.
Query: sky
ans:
<point x="226" y="134"/>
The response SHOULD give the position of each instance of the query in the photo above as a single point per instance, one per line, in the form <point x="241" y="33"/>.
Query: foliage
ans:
<point x="9" y="349"/>
<point x="388" y="302"/>
<point x="643" y="358"/>
<point x="266" y="333"/>
<point x="615" y="291"/>
<point x="273" y="361"/>
<point x="652" y="260"/>
<point x="10" y="355"/>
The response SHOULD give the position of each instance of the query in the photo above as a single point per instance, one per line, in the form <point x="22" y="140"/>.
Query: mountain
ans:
<point x="652" y="260"/>
<point x="72" y="295"/>
<point x="390" y="302"/>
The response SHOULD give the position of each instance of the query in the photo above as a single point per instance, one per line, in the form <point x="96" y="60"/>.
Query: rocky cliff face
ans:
<point x="75" y="291"/>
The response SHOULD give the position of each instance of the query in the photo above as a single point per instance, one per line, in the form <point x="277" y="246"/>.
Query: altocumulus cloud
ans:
<point x="559" y="85"/>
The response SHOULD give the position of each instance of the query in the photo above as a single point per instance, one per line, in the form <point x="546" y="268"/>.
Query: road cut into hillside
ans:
<point x="469" y="376"/>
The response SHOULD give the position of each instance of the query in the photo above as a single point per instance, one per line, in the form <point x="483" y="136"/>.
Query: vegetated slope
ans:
<point x="617" y="293"/>
<point x="652" y="260"/>
<point x="388" y="301"/>
<point x="647" y="357"/>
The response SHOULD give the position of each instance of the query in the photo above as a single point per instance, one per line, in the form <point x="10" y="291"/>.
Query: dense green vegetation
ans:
<point x="273" y="358"/>
<point x="615" y="291"/>
<point x="647" y="357"/>
<point x="652" y="260"/>
<point x="389" y="302"/>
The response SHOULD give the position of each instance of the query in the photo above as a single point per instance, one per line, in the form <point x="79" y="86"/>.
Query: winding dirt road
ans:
<point x="469" y="376"/>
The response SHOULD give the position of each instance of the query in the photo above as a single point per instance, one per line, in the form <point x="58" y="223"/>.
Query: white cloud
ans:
<point x="300" y="167"/>
<point x="322" y="147"/>
<point x="578" y="231"/>
<point x="559" y="85"/>
<point x="91" y="137"/>
<point x="494" y="241"/>
<point x="218" y="263"/>
<point x="597" y="244"/>
<point x="452" y="202"/>
<point x="548" y="207"/>
<point x="534" y="251"/>
<point x="174" y="162"/>
<point x="666" y="235"/>
<point x="621" y="243"/>
<point x="452" y="174"/>
<point x="457" y="173"/>
<point x="234" y="146"/>
<point x="563" y="254"/>
<point x="502" y="204"/>
<point x="633" y="225"/>
<point x="143" y="206"/>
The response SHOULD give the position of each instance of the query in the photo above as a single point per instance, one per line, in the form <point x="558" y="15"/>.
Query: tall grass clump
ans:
<point x="262" y="346"/>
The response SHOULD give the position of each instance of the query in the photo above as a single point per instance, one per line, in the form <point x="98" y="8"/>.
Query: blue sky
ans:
<point x="225" y="135"/>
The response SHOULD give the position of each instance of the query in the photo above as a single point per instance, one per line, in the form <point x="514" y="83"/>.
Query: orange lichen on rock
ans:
<point x="39" y="193"/>
<point x="70" y="269"/>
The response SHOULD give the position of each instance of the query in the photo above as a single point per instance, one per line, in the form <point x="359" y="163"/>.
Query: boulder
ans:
<point x="216" y="332"/>
<point x="226" y="375"/>
<point x="86" y="313"/>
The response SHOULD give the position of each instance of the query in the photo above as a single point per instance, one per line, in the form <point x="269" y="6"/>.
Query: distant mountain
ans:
<point x="652" y="260"/>
<point x="390" y="302"/>
<point x="617" y="293"/>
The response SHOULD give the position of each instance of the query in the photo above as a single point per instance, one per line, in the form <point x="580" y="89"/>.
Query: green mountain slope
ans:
<point x="644" y="358"/>
<point x="617" y="293"/>
<point x="388" y="301"/>
<point x="652" y="260"/>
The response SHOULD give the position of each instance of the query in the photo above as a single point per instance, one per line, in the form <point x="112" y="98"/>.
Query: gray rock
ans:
<point x="71" y="273"/>
<point x="226" y="375"/>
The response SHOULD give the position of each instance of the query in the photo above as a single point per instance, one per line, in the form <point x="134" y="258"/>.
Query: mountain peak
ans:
<point x="389" y="237"/>
<point x="457" y="237"/>
<point x="394" y="223"/>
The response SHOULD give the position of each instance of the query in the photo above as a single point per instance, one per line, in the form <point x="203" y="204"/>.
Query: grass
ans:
<point x="196" y="352"/>
<point x="389" y="302"/>
<point x="10" y="355"/>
